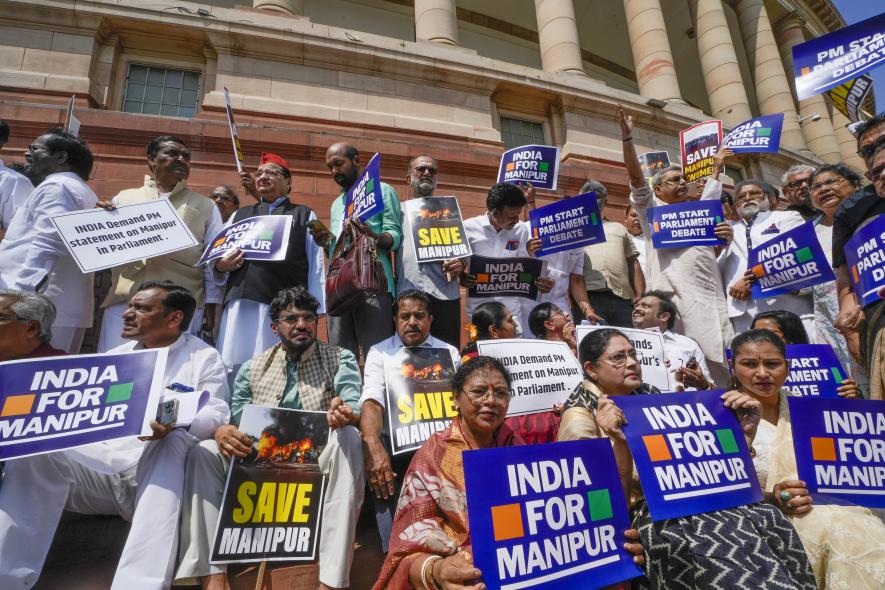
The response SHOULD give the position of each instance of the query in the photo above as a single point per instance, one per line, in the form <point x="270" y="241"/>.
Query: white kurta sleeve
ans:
<point x="213" y="281"/>
<point x="46" y="244"/>
<point x="13" y="194"/>
<point x="316" y="270"/>
<point x="373" y="378"/>
<point x="712" y="190"/>
<point x="212" y="377"/>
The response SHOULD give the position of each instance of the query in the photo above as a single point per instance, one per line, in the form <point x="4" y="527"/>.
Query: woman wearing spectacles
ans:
<point x="751" y="546"/>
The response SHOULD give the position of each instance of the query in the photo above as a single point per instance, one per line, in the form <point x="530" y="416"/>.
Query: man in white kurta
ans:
<point x="14" y="189"/>
<point x="33" y="256"/>
<point x="139" y="480"/>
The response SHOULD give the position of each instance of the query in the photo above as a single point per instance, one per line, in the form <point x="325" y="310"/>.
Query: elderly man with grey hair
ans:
<point x="796" y="193"/>
<point x="612" y="274"/>
<point x="25" y="326"/>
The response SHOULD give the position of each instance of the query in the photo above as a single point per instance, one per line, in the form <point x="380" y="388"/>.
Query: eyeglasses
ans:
<point x="11" y="318"/>
<point x="749" y="195"/>
<point x="867" y="151"/>
<point x="619" y="359"/>
<point x="797" y="184"/>
<point x="819" y="186"/>
<point x="222" y="198"/>
<point x="477" y="396"/>
<point x="295" y="319"/>
<point x="426" y="170"/>
<point x="268" y="172"/>
<point x="876" y="172"/>
<point x="675" y="180"/>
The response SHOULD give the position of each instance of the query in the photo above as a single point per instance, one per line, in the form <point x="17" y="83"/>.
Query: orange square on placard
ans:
<point x="507" y="522"/>
<point x="18" y="405"/>
<point x="510" y="167"/>
<point x="823" y="449"/>
<point x="759" y="270"/>
<point x="219" y="242"/>
<point x="657" y="447"/>
<point x="854" y="273"/>
<point x="806" y="71"/>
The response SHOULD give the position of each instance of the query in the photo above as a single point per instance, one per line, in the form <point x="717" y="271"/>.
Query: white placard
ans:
<point x="98" y="239"/>
<point x="544" y="372"/>
<point x="649" y="347"/>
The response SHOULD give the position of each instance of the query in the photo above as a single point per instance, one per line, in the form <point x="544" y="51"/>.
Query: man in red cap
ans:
<point x="252" y="284"/>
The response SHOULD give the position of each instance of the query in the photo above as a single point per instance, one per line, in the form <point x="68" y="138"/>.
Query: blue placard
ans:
<point x="789" y="262"/>
<point x="364" y="198"/>
<point x="55" y="403"/>
<point x="263" y="237"/>
<point x="839" y="449"/>
<point x="548" y="516"/>
<point x="690" y="453"/>
<point x="537" y="165"/>
<point x="829" y="60"/>
<point x="691" y="223"/>
<point x="865" y="256"/>
<point x="762" y="134"/>
<point x="567" y="224"/>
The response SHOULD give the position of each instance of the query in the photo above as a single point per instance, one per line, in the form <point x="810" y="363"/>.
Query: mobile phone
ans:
<point x="167" y="412"/>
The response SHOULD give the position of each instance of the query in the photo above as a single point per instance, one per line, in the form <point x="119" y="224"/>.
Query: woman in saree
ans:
<point x="750" y="546"/>
<point x="430" y="544"/>
<point x="845" y="544"/>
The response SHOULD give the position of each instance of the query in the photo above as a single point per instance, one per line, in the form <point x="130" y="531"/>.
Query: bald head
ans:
<point x="343" y="161"/>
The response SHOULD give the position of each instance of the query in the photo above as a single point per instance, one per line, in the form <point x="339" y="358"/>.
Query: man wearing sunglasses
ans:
<point x="795" y="189"/>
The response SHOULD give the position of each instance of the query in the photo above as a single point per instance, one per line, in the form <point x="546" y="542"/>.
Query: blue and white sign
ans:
<point x="537" y="165"/>
<point x="828" y="61"/>
<point x="690" y="453"/>
<point x="364" y="198"/>
<point x="839" y="449"/>
<point x="548" y="516"/>
<point x="762" y="134"/>
<point x="691" y="223"/>
<point x="567" y="224"/>
<point x="789" y="262"/>
<point x="865" y="256"/>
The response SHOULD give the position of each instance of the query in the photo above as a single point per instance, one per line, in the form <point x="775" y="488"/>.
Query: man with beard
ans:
<point x="794" y="185"/>
<point x="33" y="256"/>
<point x="754" y="201"/>
<point x="253" y="284"/>
<point x="301" y="373"/>
<point x="14" y="186"/>
<point x="169" y="161"/>
<point x="370" y="321"/>
<point x="687" y="275"/>
<point x="413" y="314"/>
<point x="437" y="279"/>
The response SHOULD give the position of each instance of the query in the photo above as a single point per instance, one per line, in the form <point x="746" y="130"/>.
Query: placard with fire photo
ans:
<point x="273" y="501"/>
<point x="437" y="228"/>
<point x="419" y="395"/>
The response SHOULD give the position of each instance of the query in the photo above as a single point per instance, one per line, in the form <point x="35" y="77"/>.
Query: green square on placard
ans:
<point x="804" y="254"/>
<point x="266" y="235"/>
<point x="726" y="441"/>
<point x="593" y="219"/>
<point x="763" y="132"/>
<point x="370" y="186"/>
<point x="526" y="277"/>
<point x="119" y="392"/>
<point x="543" y="166"/>
<point x="837" y="375"/>
<point x="600" y="504"/>
<point x="718" y="219"/>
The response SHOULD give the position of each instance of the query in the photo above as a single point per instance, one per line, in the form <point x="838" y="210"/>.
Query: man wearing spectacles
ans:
<point x="795" y="189"/>
<point x="25" y="326"/>
<point x="301" y="373"/>
<point x="226" y="200"/>
<point x="253" y="284"/>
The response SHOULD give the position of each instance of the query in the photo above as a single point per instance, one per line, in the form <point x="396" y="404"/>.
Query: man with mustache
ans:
<point x="688" y="275"/>
<point x="253" y="284"/>
<point x="413" y="314"/>
<point x="754" y="201"/>
<point x="226" y="200"/>
<point x="169" y="162"/>
<point x="795" y="189"/>
<point x="301" y="373"/>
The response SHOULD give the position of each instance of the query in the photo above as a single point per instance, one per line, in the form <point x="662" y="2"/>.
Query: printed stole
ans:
<point x="315" y="374"/>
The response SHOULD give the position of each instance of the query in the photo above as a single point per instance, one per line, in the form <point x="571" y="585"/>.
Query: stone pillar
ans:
<point x="719" y="64"/>
<point x="772" y="86"/>
<point x="847" y="143"/>
<point x="437" y="21"/>
<point x="652" y="57"/>
<point x="819" y="135"/>
<point x="295" y="7"/>
<point x="558" y="36"/>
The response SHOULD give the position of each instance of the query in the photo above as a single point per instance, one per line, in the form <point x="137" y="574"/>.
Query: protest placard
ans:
<point x="690" y="452"/>
<point x="419" y="395"/>
<point x="364" y="199"/>
<point x="437" y="228"/>
<point x="691" y="223"/>
<point x="543" y="372"/>
<point x="848" y="97"/>
<point x="649" y="347"/>
<point x="98" y="239"/>
<point x="815" y="370"/>
<point x="273" y="501"/>
<point x="263" y="237"/>
<point x="234" y="136"/>
<point x="829" y="60"/>
<point x="505" y="277"/>
<point x="651" y="162"/>
<point x="537" y="165"/>
<point x="548" y="516"/>
<point x="840" y="449"/>
<point x="55" y="403"/>
<point x="865" y="257"/>
<point x="762" y="134"/>
<point x="699" y="144"/>
<point x="567" y="224"/>
<point x="788" y="262"/>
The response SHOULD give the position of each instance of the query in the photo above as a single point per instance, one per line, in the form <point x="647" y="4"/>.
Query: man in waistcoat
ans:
<point x="169" y="160"/>
<point x="301" y="373"/>
<point x="252" y="284"/>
